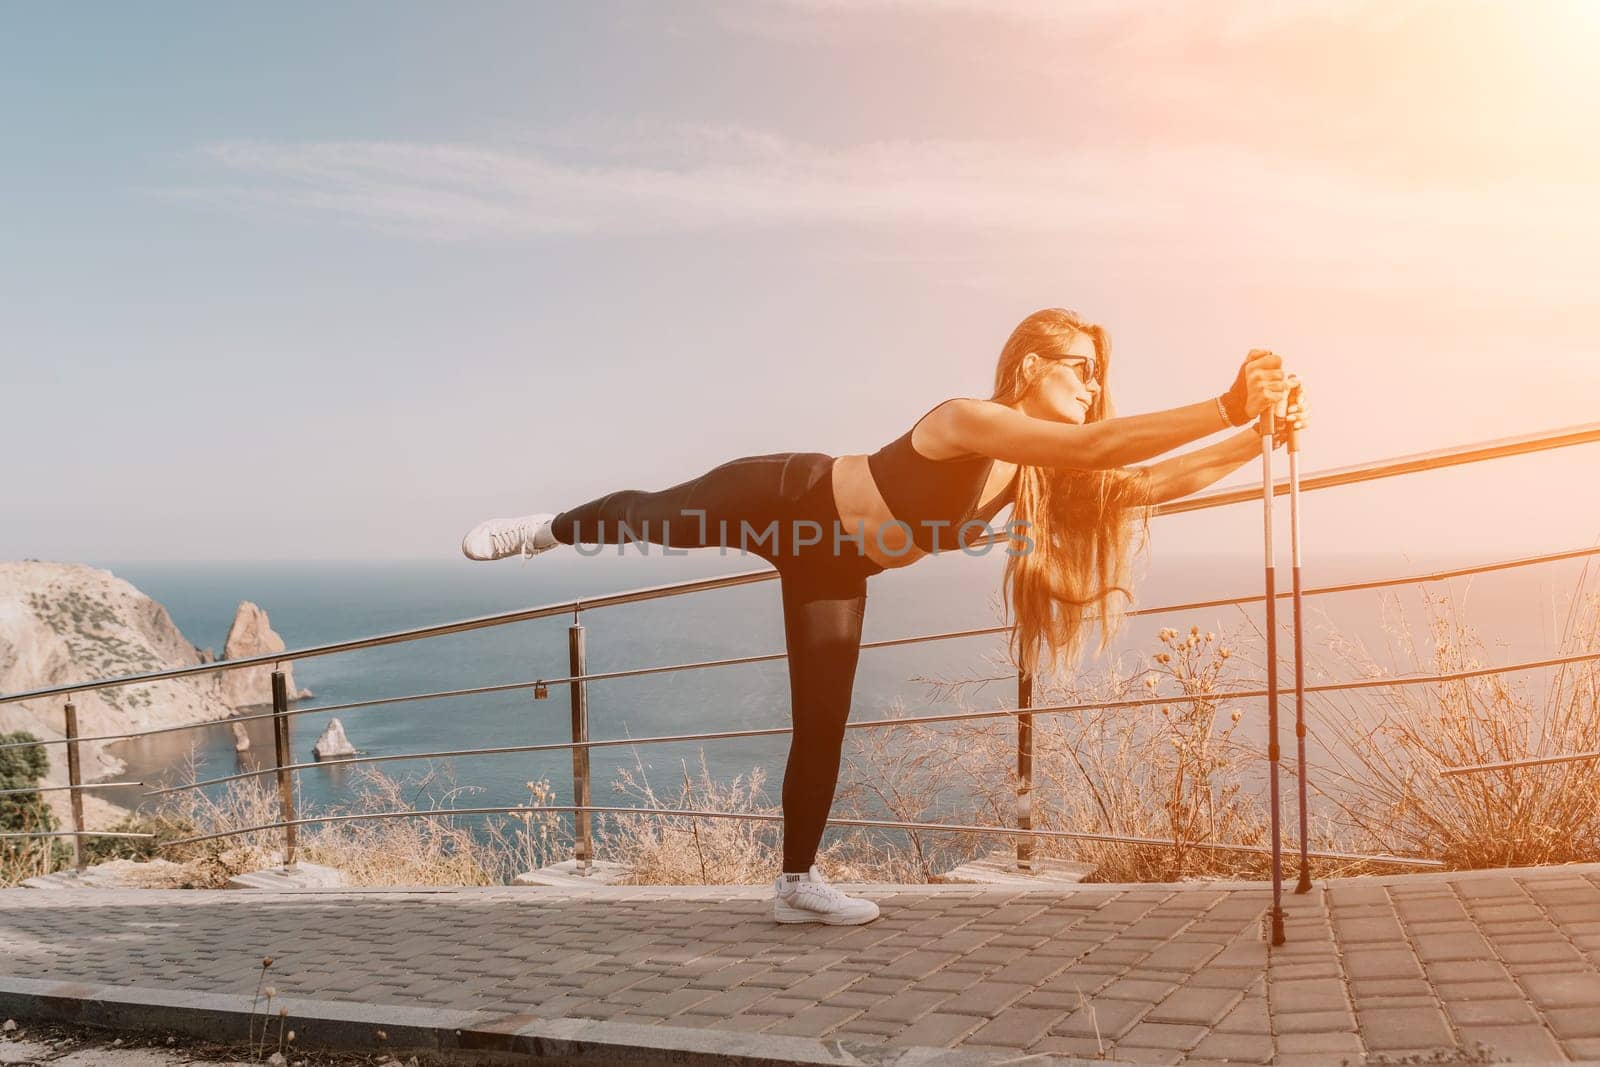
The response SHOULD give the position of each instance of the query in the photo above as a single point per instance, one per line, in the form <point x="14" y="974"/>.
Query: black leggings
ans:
<point x="779" y="507"/>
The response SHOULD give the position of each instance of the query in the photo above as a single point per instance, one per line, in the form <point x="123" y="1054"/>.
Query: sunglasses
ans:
<point x="1088" y="370"/>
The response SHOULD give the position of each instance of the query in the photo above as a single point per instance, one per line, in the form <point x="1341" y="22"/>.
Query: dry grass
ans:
<point x="904" y="774"/>
<point x="683" y="850"/>
<point x="433" y="850"/>
<point x="1166" y="770"/>
<point x="1391" y="745"/>
<point x="430" y="850"/>
<point x="1171" y="770"/>
<point x="24" y="858"/>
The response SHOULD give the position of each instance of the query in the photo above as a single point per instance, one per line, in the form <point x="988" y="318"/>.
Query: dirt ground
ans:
<point x="62" y="1046"/>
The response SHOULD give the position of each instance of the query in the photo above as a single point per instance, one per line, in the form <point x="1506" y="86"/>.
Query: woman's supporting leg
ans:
<point x="753" y="493"/>
<point x="824" y="598"/>
<point x="822" y="624"/>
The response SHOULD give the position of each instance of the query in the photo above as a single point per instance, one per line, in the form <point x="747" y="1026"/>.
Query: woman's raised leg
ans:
<point x="733" y="505"/>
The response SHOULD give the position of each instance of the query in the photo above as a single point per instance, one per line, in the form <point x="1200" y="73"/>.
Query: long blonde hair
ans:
<point x="1081" y="523"/>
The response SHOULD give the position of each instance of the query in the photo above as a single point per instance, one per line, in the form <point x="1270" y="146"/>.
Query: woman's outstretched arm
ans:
<point x="1008" y="435"/>
<point x="1193" y="471"/>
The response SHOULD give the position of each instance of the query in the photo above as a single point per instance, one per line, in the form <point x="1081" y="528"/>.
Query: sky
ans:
<point x="332" y="281"/>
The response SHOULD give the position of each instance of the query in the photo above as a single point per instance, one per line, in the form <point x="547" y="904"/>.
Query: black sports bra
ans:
<point x="923" y="492"/>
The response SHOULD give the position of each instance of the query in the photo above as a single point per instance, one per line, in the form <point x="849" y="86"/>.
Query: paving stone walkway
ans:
<point x="1148" y="974"/>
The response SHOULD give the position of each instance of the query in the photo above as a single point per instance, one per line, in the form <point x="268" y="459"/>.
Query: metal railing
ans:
<point x="578" y="679"/>
<point x="1518" y="764"/>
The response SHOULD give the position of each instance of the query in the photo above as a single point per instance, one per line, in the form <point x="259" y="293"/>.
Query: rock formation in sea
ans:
<point x="68" y="622"/>
<point x="333" y="744"/>
<point x="252" y="635"/>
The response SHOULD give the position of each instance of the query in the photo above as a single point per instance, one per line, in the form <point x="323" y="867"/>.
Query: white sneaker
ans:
<point x="525" y="535"/>
<point x="810" y="899"/>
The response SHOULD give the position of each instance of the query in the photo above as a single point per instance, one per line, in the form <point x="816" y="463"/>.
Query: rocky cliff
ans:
<point x="66" y="622"/>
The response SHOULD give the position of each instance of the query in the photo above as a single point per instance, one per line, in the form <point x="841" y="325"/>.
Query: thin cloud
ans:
<point x="1125" y="203"/>
<point x="1236" y="21"/>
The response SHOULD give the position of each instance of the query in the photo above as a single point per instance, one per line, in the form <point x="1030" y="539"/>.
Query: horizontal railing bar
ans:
<point x="551" y="746"/>
<point x="995" y="713"/>
<point x="1005" y="831"/>
<point x="566" y="680"/>
<point x="1456" y="456"/>
<point x="503" y="687"/>
<point x="1451" y="676"/>
<point x="135" y="735"/>
<point x="718" y="735"/>
<point x="630" y="672"/>
<point x="318" y="819"/>
<point x="882" y="824"/>
<point x="1444" y="575"/>
<point x="61" y="788"/>
<point x="77" y="833"/>
<point x="1532" y="761"/>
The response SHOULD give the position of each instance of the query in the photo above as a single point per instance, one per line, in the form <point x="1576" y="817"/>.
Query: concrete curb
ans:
<point x="467" y="1036"/>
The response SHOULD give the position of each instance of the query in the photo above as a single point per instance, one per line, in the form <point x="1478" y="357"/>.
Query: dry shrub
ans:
<point x="1164" y="770"/>
<point x="685" y="850"/>
<point x="1171" y="771"/>
<point x="411" y="850"/>
<point x="24" y="858"/>
<point x="905" y="774"/>
<point x="414" y="849"/>
<point x="535" y="836"/>
<point x="1390" y="746"/>
<point x="194" y="812"/>
<point x="690" y="850"/>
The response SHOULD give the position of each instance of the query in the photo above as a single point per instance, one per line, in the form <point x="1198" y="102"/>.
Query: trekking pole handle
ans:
<point x="1294" y="431"/>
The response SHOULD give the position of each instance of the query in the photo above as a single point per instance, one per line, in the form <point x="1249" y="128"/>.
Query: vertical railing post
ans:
<point x="1024" y="770"/>
<point x="74" y="779"/>
<point x="280" y="746"/>
<point x="577" y="661"/>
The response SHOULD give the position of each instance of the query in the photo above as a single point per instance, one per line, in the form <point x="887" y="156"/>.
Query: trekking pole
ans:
<point x="1304" y="885"/>
<point x="1269" y="427"/>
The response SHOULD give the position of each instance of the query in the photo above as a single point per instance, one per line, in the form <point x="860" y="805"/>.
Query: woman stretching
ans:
<point x="1045" y="443"/>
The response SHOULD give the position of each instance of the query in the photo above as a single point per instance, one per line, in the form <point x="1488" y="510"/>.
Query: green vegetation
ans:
<point x="26" y="813"/>
<point x="87" y="624"/>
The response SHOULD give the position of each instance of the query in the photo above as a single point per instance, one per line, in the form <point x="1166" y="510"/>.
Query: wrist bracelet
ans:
<point x="1223" y="411"/>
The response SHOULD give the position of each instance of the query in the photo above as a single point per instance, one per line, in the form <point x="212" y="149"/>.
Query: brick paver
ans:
<point x="1148" y="974"/>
